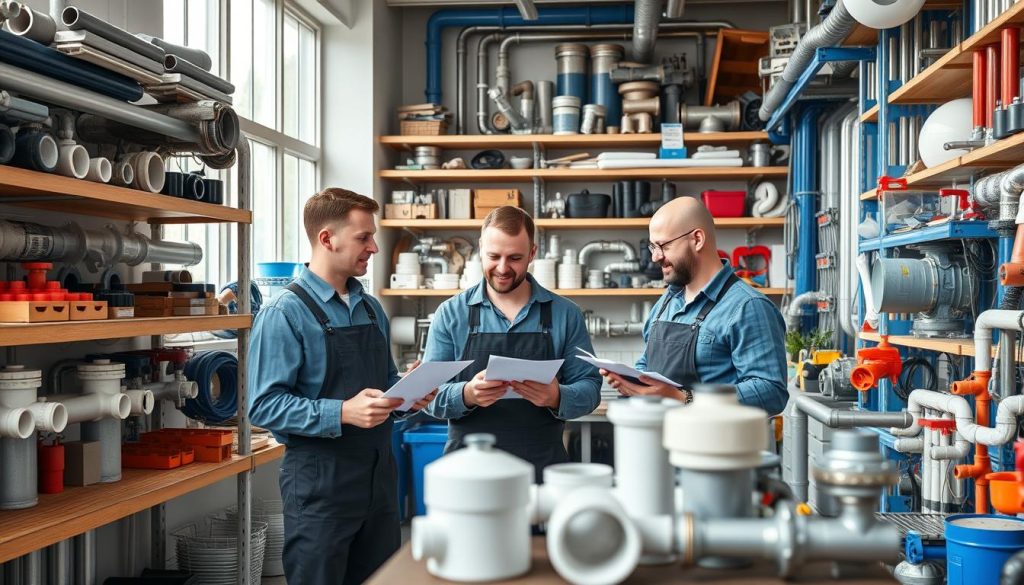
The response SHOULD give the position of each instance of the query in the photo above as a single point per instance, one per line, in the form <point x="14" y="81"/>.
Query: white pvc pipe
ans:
<point x="16" y="423"/>
<point x="864" y="270"/>
<point x="149" y="171"/>
<point x="100" y="170"/>
<point x="968" y="431"/>
<point x="50" y="417"/>
<point x="177" y="390"/>
<point x="142" y="401"/>
<point x="94" y="407"/>
<point x="73" y="160"/>
<point x="123" y="174"/>
<point x="562" y="479"/>
<point x="908" y="444"/>
<point x="989" y="320"/>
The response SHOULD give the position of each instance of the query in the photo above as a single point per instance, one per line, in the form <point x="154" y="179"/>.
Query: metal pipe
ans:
<point x="58" y="557"/>
<point x="849" y="151"/>
<point x="200" y="59"/>
<point x="674" y="8"/>
<point x="85" y="558"/>
<point x="833" y="30"/>
<point x="627" y="250"/>
<point x="34" y="25"/>
<point x="57" y="8"/>
<point x="646" y="16"/>
<point x="75" y="18"/>
<point x="43" y="88"/>
<point x="794" y="310"/>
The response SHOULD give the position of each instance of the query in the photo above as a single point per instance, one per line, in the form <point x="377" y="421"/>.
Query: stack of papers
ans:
<point x="422" y="381"/>
<point x="622" y="369"/>
<point x="516" y="370"/>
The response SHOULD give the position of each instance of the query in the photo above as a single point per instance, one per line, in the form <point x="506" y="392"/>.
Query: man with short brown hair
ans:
<point x="320" y="359"/>
<point x="509" y="314"/>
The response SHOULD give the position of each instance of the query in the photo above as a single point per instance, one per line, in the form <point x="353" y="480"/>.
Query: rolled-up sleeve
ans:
<point x="757" y="335"/>
<point x="448" y="403"/>
<point x="275" y="357"/>
<point x="580" y="383"/>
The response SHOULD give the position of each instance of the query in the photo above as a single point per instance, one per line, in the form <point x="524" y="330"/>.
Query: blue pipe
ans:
<point x="917" y="551"/>
<point x="509" y="16"/>
<point x="805" y="189"/>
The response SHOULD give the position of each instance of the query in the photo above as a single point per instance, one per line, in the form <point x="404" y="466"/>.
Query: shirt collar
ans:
<point x="476" y="295"/>
<point x="326" y="292"/>
<point x="713" y="288"/>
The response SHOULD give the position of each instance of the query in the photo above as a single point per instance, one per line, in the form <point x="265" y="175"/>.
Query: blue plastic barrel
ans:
<point x="426" y="444"/>
<point x="403" y="464"/>
<point x="977" y="546"/>
<point x="278" y="269"/>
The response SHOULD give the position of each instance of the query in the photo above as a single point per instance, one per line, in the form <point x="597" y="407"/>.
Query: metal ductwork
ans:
<point x="832" y="31"/>
<point x="645" y="29"/>
<point x="32" y="242"/>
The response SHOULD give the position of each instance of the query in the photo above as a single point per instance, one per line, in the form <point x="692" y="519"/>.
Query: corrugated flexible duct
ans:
<point x="645" y="29"/>
<point x="832" y="31"/>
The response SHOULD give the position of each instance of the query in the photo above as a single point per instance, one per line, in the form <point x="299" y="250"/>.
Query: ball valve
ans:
<point x="875" y="363"/>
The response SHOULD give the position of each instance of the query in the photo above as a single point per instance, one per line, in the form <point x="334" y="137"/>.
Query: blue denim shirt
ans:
<point x="579" y="382"/>
<point x="288" y="360"/>
<point x="741" y="342"/>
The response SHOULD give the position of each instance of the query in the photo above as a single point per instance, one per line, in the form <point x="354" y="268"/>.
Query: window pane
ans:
<point x="264" y="202"/>
<point x="291" y="218"/>
<point x="291" y="76"/>
<point x="241" y="56"/>
<point x="174" y="21"/>
<point x="307" y="188"/>
<point x="204" y="29"/>
<point x="309" y="59"/>
<point x="264" y="90"/>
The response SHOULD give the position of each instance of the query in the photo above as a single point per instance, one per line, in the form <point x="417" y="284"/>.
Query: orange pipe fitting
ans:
<point x="1012" y="274"/>
<point x="875" y="363"/>
<point x="992" y="72"/>
<point x="978" y="89"/>
<point x="1010" y="56"/>
<point x="977" y="386"/>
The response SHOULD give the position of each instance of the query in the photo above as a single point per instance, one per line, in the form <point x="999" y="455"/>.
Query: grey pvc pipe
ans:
<point x="85" y="558"/>
<point x="832" y="31"/>
<point x="176" y="64"/>
<point x="195" y="57"/>
<point x="75" y="18"/>
<point x="646" y="15"/>
<point x="34" y="25"/>
<point x="66" y="95"/>
<point x="22" y="110"/>
<point x="108" y="432"/>
<point x="837" y="418"/>
<point x="18" y="474"/>
<point x="58" y="563"/>
<point x="36" y="151"/>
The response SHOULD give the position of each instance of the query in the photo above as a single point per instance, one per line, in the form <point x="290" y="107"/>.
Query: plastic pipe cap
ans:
<point x="883" y="13"/>
<point x="951" y="122"/>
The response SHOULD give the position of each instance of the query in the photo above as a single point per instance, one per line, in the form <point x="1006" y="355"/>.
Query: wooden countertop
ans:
<point x="401" y="568"/>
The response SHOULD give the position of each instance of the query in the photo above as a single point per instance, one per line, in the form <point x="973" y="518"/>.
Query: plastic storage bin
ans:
<point x="426" y="444"/>
<point x="977" y="546"/>
<point x="724" y="203"/>
<point x="402" y="463"/>
<point x="278" y="269"/>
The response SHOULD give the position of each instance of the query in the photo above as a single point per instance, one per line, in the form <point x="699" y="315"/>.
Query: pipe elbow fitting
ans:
<point x="975" y="471"/>
<point x="591" y="538"/>
<point x="429" y="540"/>
<point x="524" y="89"/>
<point x="142" y="401"/>
<point x="50" y="417"/>
<point x="16" y="423"/>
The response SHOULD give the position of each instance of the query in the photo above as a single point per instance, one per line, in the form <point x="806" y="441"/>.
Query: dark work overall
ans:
<point x="672" y="347"/>
<point x="340" y="495"/>
<point x="522" y="429"/>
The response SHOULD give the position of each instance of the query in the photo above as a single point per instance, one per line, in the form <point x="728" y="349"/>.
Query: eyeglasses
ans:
<point x="656" y="247"/>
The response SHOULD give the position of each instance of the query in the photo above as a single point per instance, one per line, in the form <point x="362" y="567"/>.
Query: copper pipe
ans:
<point x="978" y="88"/>
<point x="1011" y="64"/>
<point x="977" y="385"/>
<point x="991" y="82"/>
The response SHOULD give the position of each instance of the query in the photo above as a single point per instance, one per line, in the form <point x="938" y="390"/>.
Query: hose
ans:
<point x="905" y="383"/>
<point x="202" y="367"/>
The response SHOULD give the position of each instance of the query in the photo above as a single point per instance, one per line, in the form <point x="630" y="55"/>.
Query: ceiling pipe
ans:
<point x="675" y="8"/>
<point x="645" y="30"/>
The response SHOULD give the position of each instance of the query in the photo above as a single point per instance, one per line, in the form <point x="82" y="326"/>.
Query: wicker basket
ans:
<point x="422" y="127"/>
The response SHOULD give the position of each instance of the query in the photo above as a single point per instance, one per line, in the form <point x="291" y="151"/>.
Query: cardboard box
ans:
<point x="33" y="311"/>
<point x="87" y="310"/>
<point x="487" y="200"/>
<point x="409" y="211"/>
<point x="460" y="203"/>
<point x="82" y="462"/>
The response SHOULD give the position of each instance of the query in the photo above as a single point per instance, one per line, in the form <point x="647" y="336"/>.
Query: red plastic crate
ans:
<point x="196" y="437"/>
<point x="137" y="456"/>
<point x="724" y="203"/>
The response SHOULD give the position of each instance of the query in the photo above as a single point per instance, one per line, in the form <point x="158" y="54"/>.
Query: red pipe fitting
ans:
<point x="36" y="274"/>
<point x="875" y="363"/>
<point x="978" y="89"/>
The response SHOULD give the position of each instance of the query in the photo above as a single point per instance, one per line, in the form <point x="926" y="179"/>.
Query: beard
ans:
<point x="517" y="279"/>
<point x="682" y="273"/>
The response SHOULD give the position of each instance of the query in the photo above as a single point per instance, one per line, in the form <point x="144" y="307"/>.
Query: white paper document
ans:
<point x="517" y="370"/>
<point x="621" y="369"/>
<point x="421" y="381"/>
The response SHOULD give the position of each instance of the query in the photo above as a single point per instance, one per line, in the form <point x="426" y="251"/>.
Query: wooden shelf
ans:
<point x="272" y="452"/>
<point x="950" y="76"/>
<point x="568" y="224"/>
<point x="964" y="346"/>
<point x="1002" y="154"/>
<point x="572" y="292"/>
<point x="871" y="115"/>
<point x="63" y="194"/>
<point x="14" y="334"/>
<point x="580" y="175"/>
<point x="77" y="510"/>
<point x="512" y="141"/>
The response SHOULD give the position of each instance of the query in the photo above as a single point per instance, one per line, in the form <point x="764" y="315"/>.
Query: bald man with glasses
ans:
<point x="709" y="327"/>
